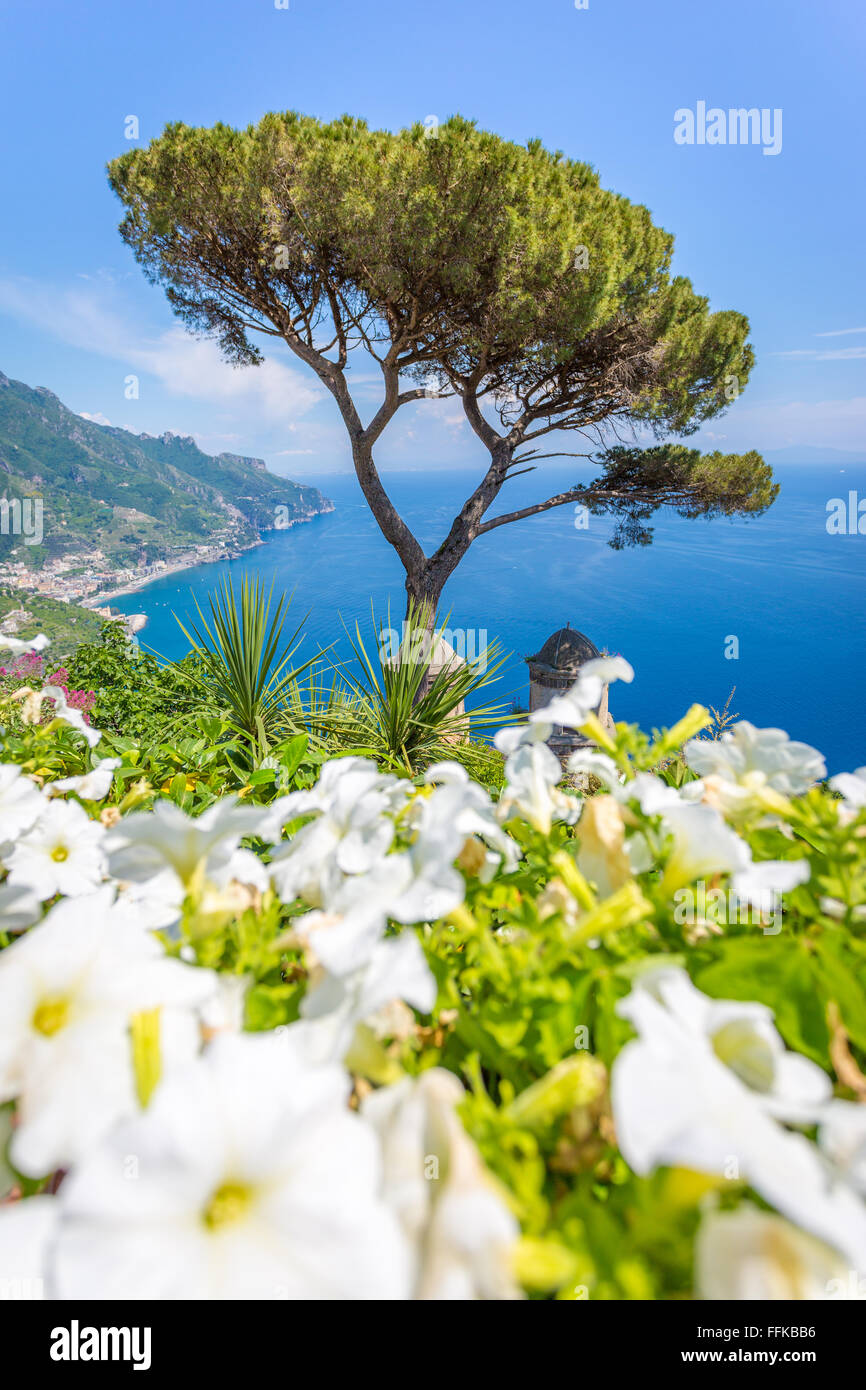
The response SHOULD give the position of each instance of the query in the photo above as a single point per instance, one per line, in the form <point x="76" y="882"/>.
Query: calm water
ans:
<point x="792" y="595"/>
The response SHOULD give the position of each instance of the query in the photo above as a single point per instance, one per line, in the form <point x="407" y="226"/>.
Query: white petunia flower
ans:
<point x="26" y="1227"/>
<point x="752" y="1255"/>
<point x="20" y="907"/>
<point x="68" y="714"/>
<point x="842" y="1136"/>
<point x="703" y="845"/>
<point x="340" y="861"/>
<point x="467" y="806"/>
<point x="608" y="669"/>
<point x="532" y="773"/>
<point x="459" y="1229"/>
<point x="17" y="645"/>
<point x="653" y="795"/>
<point x="455" y="822"/>
<point x="341" y="783"/>
<point x="426" y="884"/>
<point x="588" y="760"/>
<point x="68" y="989"/>
<point x="699" y="1088"/>
<point x="343" y="936"/>
<point x="353" y="803"/>
<point x="252" y="1180"/>
<point x="417" y="884"/>
<point x="243" y="866"/>
<point x="90" y="786"/>
<point x="21" y="802"/>
<point x="746" y="763"/>
<point x="334" y="1004"/>
<point x="62" y="853"/>
<point x="741" y="1036"/>
<point x="173" y="854"/>
<point x="223" y="1011"/>
<point x="851" y="786"/>
<point x="517" y="736"/>
<point x="763" y="884"/>
<point x="571" y="709"/>
<point x="155" y="903"/>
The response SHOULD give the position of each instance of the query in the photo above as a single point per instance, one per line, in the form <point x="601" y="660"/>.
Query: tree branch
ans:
<point x="588" y="495"/>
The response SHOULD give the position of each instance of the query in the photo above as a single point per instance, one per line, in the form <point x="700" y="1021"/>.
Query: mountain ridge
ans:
<point x="143" y="498"/>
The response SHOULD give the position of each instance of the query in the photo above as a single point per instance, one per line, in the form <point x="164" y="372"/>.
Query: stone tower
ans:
<point x="553" y="670"/>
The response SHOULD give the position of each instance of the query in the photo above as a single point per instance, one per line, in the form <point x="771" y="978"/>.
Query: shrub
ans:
<point x="598" y="1047"/>
<point x="136" y="696"/>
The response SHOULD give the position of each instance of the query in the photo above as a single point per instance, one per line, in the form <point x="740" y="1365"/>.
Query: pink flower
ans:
<point x="27" y="667"/>
<point x="75" y="699"/>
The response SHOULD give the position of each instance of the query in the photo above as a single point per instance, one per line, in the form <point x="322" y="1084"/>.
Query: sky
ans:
<point x="776" y="235"/>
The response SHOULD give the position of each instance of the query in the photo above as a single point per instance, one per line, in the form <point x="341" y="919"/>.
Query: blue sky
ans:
<point x="779" y="237"/>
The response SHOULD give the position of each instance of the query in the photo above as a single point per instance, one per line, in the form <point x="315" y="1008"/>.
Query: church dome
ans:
<point x="565" y="652"/>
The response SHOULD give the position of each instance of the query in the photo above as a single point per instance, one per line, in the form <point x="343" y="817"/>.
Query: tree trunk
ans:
<point x="423" y="592"/>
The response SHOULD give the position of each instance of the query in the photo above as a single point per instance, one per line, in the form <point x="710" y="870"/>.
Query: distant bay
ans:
<point x="792" y="595"/>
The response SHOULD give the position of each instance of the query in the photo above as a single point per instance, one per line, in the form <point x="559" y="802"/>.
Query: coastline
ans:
<point x="133" y="586"/>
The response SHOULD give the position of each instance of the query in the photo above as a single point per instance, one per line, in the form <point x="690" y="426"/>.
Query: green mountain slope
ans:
<point x="66" y="625"/>
<point x="137" y="497"/>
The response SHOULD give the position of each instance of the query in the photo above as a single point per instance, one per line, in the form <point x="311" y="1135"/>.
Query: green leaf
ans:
<point x="268" y="1006"/>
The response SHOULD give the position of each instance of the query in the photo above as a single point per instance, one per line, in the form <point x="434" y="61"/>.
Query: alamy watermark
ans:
<point x="417" y="646"/>
<point x="846" y="517"/>
<point x="735" y="126"/>
<point x="854" y="1287"/>
<point x="22" y="1289"/>
<point x="724" y="907"/>
<point x="22" y="517"/>
<point x="77" y="1343"/>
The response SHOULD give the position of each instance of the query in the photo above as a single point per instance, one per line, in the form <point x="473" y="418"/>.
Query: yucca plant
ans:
<point x="247" y="670"/>
<point x="314" y="703"/>
<point x="391" y="708"/>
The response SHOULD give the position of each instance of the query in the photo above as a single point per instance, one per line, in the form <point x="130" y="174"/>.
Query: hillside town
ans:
<point x="89" y="577"/>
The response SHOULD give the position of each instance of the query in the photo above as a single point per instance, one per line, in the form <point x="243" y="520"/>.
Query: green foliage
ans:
<point x="531" y="965"/>
<point x="636" y="482"/>
<point x="505" y="272"/>
<point x="245" y="662"/>
<point x="526" y="978"/>
<point x="530" y="971"/>
<point x="136" y="695"/>
<point x="133" y="491"/>
<point x="398" y="713"/>
<point x="236" y="713"/>
<point x="469" y="237"/>
<point x="66" y="625"/>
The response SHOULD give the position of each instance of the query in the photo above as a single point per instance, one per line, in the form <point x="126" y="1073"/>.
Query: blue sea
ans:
<point x="792" y="595"/>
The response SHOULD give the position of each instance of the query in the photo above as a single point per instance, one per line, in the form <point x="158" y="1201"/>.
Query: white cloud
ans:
<point x="826" y="355"/>
<point x="185" y="366"/>
<point x="97" y="418"/>
<point x="840" y="332"/>
<point x="835" y="424"/>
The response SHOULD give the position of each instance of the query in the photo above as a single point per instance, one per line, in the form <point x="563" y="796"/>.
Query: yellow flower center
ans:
<point x="50" y="1016"/>
<point x="473" y="856"/>
<point x="746" y="1053"/>
<point x="60" y="854"/>
<point x="229" y="1203"/>
<point x="754" y="780"/>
